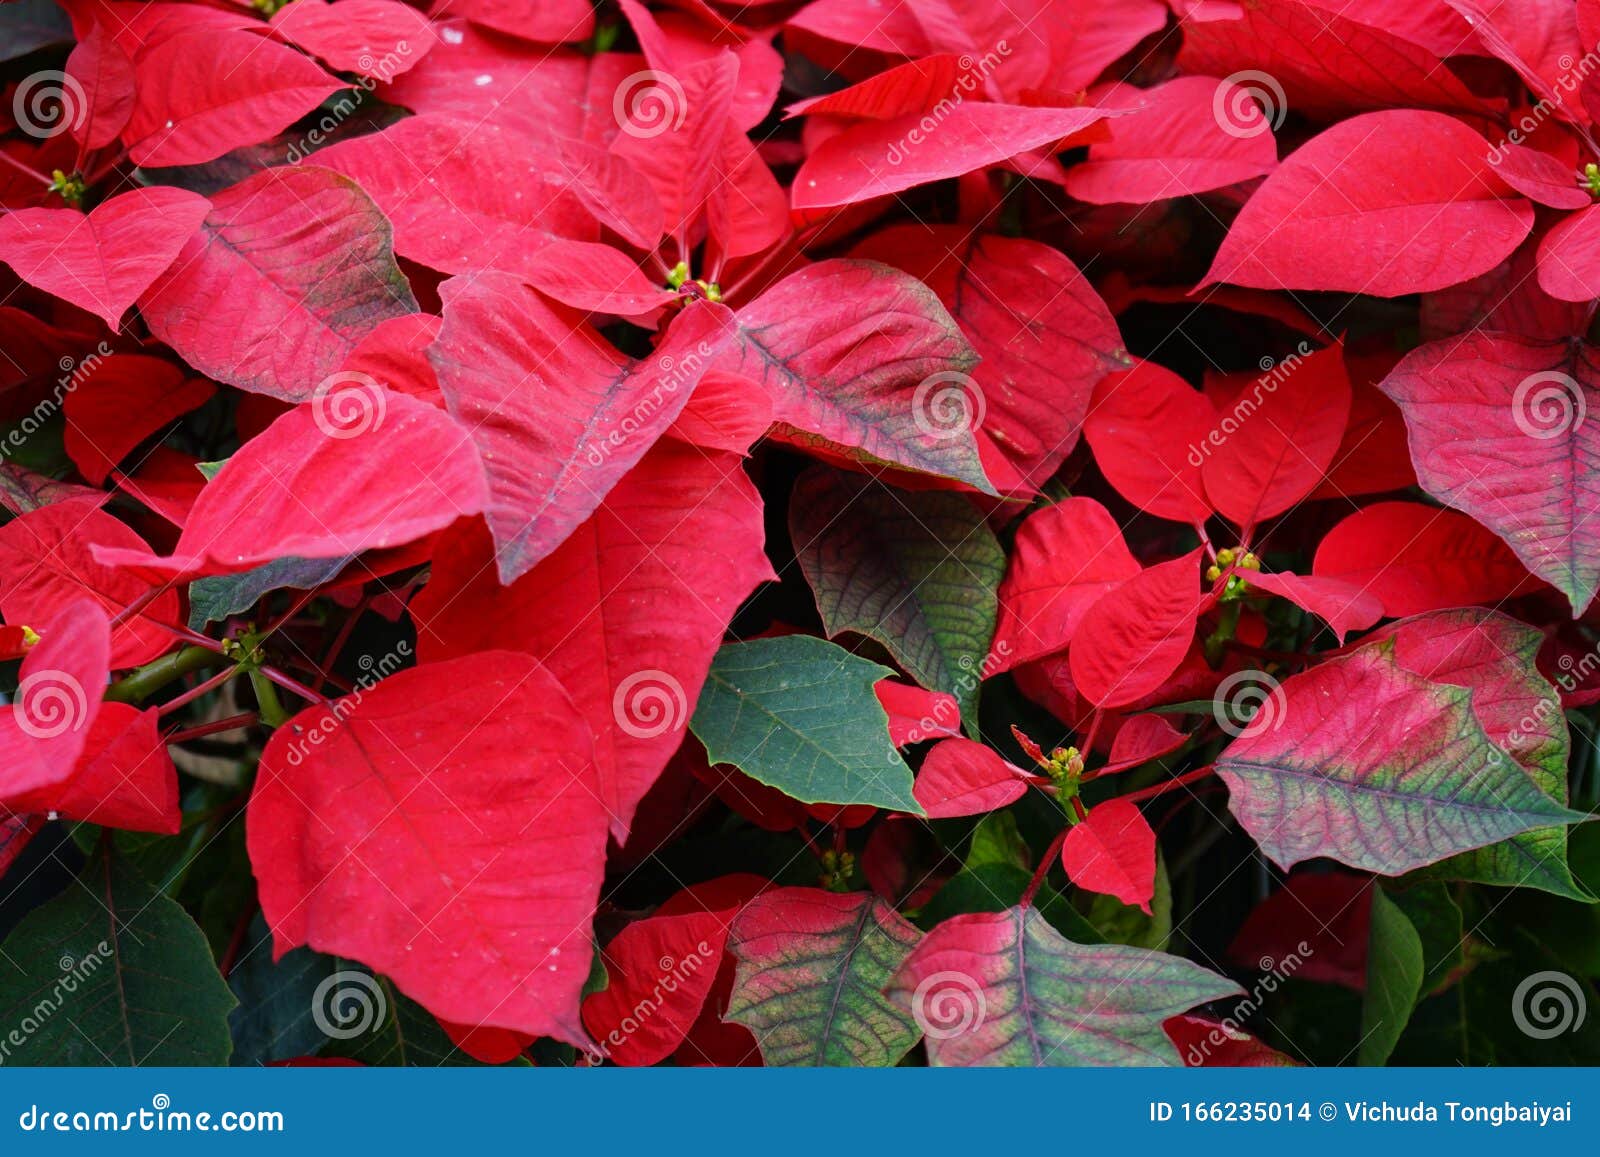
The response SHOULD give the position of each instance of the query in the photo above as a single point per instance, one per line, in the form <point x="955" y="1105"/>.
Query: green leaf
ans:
<point x="277" y="999"/>
<point x="1497" y="659"/>
<point x="916" y="570"/>
<point x="1367" y="763"/>
<point x="996" y="840"/>
<point x="812" y="969"/>
<point x="1437" y="920"/>
<point x="1394" y="979"/>
<point x="993" y="877"/>
<point x="111" y="972"/>
<point x="375" y="1024"/>
<point x="164" y="861"/>
<point x="799" y="714"/>
<point x="212" y="600"/>
<point x="1005" y="988"/>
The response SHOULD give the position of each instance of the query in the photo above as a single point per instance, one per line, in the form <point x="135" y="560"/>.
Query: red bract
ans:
<point x="291" y="269"/>
<point x="103" y="260"/>
<point x="673" y="532"/>
<point x="357" y="470"/>
<point x="467" y="822"/>
<point x="1113" y="850"/>
<point x="628" y="611"/>
<point x="1385" y="204"/>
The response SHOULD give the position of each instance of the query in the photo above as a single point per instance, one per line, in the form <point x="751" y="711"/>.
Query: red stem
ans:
<point x="1173" y="812"/>
<point x="99" y="174"/>
<point x="198" y="690"/>
<point x="799" y="241"/>
<point x="212" y="728"/>
<point x="230" y="956"/>
<point x="345" y="630"/>
<point x="1169" y="785"/>
<point x="189" y="636"/>
<point x="1051" y="854"/>
<point x="289" y="683"/>
<point x="342" y="686"/>
<point x="25" y="168"/>
<point x="294" y="610"/>
<point x="139" y="604"/>
<point x="1094" y="728"/>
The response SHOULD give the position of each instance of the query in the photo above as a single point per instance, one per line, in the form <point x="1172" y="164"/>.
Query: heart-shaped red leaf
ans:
<point x="456" y="807"/>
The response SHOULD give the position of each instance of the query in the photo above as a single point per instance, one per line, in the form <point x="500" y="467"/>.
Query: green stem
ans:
<point x="145" y="681"/>
<point x="1218" y="640"/>
<point x="272" y="712"/>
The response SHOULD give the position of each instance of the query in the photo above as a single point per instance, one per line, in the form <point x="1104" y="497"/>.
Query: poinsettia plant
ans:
<point x="794" y="533"/>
